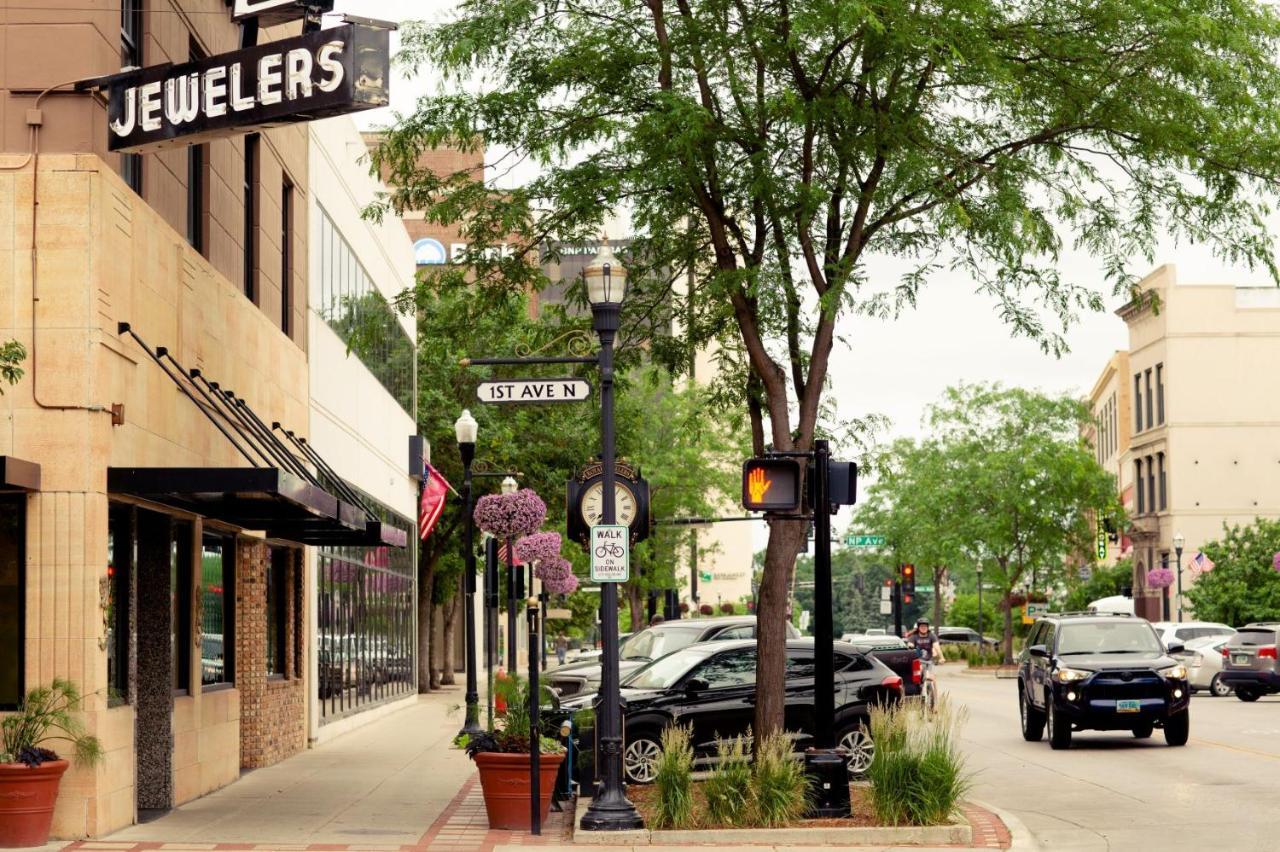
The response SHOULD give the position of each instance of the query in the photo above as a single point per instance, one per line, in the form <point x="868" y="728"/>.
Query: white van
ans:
<point x="1116" y="604"/>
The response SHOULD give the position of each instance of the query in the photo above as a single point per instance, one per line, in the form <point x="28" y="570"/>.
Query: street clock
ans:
<point x="584" y="501"/>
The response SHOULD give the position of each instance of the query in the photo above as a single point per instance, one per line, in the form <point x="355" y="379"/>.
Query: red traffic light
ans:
<point x="906" y="599"/>
<point x="908" y="571"/>
<point x="771" y="485"/>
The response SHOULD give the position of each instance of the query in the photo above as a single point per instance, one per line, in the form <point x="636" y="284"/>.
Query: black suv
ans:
<point x="1104" y="673"/>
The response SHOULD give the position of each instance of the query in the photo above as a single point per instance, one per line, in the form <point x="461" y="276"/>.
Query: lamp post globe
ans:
<point x="610" y="810"/>
<point x="466" y="429"/>
<point x="509" y="485"/>
<point x="1178" y="541"/>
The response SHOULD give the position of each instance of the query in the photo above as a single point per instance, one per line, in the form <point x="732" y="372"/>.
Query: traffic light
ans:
<point x="771" y="484"/>
<point x="908" y="582"/>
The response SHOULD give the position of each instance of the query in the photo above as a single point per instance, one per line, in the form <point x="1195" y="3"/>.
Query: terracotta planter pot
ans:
<point x="27" y="796"/>
<point x="505" y="781"/>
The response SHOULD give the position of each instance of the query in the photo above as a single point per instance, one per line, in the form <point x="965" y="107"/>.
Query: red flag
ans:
<point x="505" y="558"/>
<point x="434" y="493"/>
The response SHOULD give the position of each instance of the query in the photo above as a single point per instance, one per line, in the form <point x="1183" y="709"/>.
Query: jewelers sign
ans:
<point x="314" y="75"/>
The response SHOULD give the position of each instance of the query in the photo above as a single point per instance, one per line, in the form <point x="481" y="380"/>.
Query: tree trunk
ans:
<point x="437" y="616"/>
<point x="785" y="540"/>
<point x="939" y="573"/>
<point x="451" y="610"/>
<point x="1008" y="627"/>
<point x="426" y="587"/>
<point x="635" y="604"/>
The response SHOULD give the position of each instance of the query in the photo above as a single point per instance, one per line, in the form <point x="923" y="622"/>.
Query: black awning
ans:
<point x="253" y="498"/>
<point x="18" y="475"/>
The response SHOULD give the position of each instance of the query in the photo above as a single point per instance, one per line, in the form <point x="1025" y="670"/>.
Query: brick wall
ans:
<point x="273" y="710"/>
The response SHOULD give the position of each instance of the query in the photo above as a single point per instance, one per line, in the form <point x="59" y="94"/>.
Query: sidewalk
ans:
<point x="379" y="787"/>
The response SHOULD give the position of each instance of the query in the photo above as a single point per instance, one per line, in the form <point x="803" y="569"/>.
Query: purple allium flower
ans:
<point x="510" y="515"/>
<point x="1275" y="562"/>
<point x="1159" y="578"/>
<point x="538" y="547"/>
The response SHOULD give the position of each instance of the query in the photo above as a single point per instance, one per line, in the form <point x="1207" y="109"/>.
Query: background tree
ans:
<point x="1243" y="586"/>
<point x="1103" y="582"/>
<point x="772" y="148"/>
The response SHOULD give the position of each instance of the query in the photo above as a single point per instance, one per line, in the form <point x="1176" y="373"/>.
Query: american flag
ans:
<point x="504" y="558"/>
<point x="1201" y="564"/>
<point x="435" y="492"/>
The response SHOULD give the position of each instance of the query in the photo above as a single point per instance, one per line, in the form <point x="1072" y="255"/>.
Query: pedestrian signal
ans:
<point x="771" y="485"/>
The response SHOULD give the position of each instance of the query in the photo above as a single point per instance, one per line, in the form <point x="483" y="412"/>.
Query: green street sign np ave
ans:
<point x="864" y="541"/>
<point x="610" y="553"/>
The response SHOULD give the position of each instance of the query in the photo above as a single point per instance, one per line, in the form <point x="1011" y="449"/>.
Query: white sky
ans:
<point x="897" y="368"/>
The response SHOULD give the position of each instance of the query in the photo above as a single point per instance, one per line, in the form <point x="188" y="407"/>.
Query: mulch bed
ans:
<point x="645" y="799"/>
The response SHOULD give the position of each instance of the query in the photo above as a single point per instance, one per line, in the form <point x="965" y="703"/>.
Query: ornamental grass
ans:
<point x="918" y="776"/>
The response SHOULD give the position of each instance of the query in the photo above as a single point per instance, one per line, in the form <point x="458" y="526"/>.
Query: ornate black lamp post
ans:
<point x="610" y="809"/>
<point x="510" y="486"/>
<point x="1178" y="541"/>
<point x="466" y="428"/>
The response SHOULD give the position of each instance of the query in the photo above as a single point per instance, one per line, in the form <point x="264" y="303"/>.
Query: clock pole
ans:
<point x="610" y="809"/>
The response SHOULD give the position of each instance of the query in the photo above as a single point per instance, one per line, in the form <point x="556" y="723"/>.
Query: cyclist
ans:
<point x="925" y="641"/>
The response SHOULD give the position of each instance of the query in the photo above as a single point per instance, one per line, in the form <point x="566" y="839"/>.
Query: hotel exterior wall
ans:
<point x="104" y="256"/>
<point x="1218" y="345"/>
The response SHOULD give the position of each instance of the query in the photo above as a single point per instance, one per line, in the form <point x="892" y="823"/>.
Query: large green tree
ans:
<point x="772" y="148"/>
<point x="1243" y="585"/>
<point x="1005" y="481"/>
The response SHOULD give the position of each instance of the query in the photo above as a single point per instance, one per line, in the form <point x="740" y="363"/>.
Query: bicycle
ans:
<point x="614" y="550"/>
<point x="928" y="686"/>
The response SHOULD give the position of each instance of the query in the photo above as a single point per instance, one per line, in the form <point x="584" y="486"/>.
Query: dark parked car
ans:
<point x="651" y="643"/>
<point x="711" y="687"/>
<point x="1250" y="661"/>
<point x="964" y="636"/>
<point x="1102" y="673"/>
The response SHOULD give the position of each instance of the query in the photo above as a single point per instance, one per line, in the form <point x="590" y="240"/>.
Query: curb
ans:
<point x="1023" y="839"/>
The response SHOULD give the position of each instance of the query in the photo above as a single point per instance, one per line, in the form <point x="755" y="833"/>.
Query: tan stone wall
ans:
<point x="104" y="256"/>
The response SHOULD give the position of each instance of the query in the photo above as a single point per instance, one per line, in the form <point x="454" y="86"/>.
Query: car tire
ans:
<point x="1177" y="728"/>
<point x="1032" y="719"/>
<point x="856" y="739"/>
<point x="1218" y="689"/>
<point x="640" y="754"/>
<point x="1143" y="731"/>
<point x="1247" y="693"/>
<point x="1059" y="728"/>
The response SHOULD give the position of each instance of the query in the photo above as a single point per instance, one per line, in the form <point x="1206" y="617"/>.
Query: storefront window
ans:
<point x="13" y="531"/>
<point x="120" y="561"/>
<point x="277" y="610"/>
<point x="365" y="620"/>
<point x="180" y="605"/>
<point x="217" y="585"/>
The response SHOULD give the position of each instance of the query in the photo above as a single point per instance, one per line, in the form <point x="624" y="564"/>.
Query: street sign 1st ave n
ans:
<point x="610" y="553"/>
<point x="533" y="390"/>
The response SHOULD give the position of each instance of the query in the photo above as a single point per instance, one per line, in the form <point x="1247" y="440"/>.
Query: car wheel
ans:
<point x="1247" y="693"/>
<point x="1143" y="731"/>
<point x="1059" y="728"/>
<point x="1177" y="728"/>
<point x="1032" y="719"/>
<point x="856" y="740"/>
<point x="1219" y="689"/>
<point x="640" y="757"/>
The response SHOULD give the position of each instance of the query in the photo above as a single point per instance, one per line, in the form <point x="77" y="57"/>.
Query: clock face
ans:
<point x="624" y="503"/>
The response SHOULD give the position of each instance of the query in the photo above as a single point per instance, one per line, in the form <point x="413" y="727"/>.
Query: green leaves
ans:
<point x="1243" y="586"/>
<point x="12" y="354"/>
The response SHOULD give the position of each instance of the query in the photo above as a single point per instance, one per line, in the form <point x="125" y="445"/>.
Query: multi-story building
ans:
<point x="156" y="496"/>
<point x="1108" y="432"/>
<point x="1205" y="415"/>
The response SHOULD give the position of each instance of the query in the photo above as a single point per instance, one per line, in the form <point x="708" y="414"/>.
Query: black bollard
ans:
<point x="535" y="735"/>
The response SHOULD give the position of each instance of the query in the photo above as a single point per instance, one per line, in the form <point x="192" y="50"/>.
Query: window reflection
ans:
<point x="217" y="642"/>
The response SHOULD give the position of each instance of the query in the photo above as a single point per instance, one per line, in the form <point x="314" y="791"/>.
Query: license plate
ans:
<point x="1128" y="705"/>
<point x="1240" y="659"/>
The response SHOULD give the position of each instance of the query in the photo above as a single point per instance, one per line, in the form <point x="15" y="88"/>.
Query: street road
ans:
<point x="1111" y="791"/>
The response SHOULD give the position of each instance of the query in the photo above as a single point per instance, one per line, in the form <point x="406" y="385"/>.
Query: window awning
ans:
<point x="290" y="495"/>
<point x="18" y="475"/>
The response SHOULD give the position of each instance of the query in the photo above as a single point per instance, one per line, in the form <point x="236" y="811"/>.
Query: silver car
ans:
<point x="1203" y="659"/>
<point x="1252" y="664"/>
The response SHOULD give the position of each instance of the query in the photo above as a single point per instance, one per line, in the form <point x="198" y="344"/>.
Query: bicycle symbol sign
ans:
<point x="610" y="553"/>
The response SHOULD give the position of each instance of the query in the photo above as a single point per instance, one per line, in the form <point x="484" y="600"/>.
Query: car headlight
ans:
<point x="1178" y="672"/>
<point x="1070" y="675"/>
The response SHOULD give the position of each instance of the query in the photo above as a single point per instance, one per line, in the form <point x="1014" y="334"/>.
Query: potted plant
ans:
<point x="29" y="772"/>
<point x="503" y="758"/>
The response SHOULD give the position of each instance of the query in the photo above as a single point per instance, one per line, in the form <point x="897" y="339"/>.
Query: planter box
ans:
<point x="504" y="778"/>
<point x="27" y="797"/>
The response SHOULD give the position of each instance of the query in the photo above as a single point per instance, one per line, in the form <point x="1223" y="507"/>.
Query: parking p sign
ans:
<point x="610" y="553"/>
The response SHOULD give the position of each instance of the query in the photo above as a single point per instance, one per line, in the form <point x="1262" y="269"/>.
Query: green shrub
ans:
<point x="728" y="788"/>
<point x="917" y="776"/>
<point x="674" y="780"/>
<point x="976" y="656"/>
<point x="779" y="789"/>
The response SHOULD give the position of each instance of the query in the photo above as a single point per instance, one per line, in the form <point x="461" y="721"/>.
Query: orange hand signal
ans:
<point x="757" y="485"/>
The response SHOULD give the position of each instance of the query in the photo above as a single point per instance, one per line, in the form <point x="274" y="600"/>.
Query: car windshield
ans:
<point x="1107" y="637"/>
<point x="655" y="642"/>
<point x="663" y="673"/>
<point x="1250" y="636"/>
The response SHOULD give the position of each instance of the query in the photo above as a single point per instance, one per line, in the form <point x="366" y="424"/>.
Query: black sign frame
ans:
<point x="315" y="75"/>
